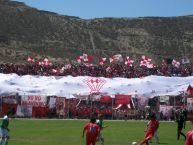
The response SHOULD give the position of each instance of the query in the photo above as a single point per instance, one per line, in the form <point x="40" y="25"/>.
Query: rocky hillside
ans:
<point x="29" y="31"/>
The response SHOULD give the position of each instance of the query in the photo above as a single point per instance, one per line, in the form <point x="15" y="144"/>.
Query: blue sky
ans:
<point x="88" y="9"/>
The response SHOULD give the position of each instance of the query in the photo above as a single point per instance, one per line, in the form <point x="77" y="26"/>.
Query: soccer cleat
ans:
<point x="134" y="143"/>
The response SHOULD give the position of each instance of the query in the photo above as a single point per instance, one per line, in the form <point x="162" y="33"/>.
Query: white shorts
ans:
<point x="4" y="132"/>
<point x="100" y="137"/>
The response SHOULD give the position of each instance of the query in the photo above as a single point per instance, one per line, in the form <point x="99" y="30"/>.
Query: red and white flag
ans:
<point x="145" y="58"/>
<point x="145" y="61"/>
<point x="176" y="63"/>
<point x="129" y="61"/>
<point x="79" y="59"/>
<point x="102" y="61"/>
<point x="30" y="59"/>
<point x="40" y="63"/>
<point x="112" y="60"/>
<point x="47" y="62"/>
<point x="87" y="57"/>
<point x="190" y="90"/>
<point x="55" y="71"/>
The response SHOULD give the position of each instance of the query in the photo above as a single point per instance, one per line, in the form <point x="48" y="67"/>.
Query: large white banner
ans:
<point x="11" y="84"/>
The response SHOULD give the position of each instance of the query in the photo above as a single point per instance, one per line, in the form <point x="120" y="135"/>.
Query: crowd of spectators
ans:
<point x="82" y="109"/>
<point x="85" y="108"/>
<point x="109" y="71"/>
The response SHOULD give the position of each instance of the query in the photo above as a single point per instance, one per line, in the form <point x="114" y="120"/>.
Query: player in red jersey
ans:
<point x="189" y="138"/>
<point x="92" y="131"/>
<point x="153" y="126"/>
<point x="155" y="133"/>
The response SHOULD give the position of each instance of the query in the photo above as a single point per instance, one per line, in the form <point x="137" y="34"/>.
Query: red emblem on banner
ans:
<point x="95" y="84"/>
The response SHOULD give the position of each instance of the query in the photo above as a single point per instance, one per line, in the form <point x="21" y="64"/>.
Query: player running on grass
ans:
<point x="180" y="122"/>
<point x="100" y="123"/>
<point x="156" y="135"/>
<point x="92" y="131"/>
<point x="153" y="126"/>
<point x="189" y="138"/>
<point x="4" y="130"/>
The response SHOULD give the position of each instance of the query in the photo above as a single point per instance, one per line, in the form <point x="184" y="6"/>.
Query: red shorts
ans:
<point x="148" y="136"/>
<point x="90" y="141"/>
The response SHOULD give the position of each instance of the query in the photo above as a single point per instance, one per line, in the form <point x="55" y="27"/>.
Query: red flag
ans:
<point x="129" y="61"/>
<point x="87" y="57"/>
<point x="176" y="63"/>
<point x="145" y="58"/>
<point x="112" y="60"/>
<point x="190" y="90"/>
<point x="30" y="59"/>
<point x="40" y="63"/>
<point x="105" y="99"/>
<point x="102" y="61"/>
<point x="145" y="61"/>
<point x="79" y="59"/>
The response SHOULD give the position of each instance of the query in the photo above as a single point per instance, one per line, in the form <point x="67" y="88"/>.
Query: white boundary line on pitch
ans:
<point x="57" y="119"/>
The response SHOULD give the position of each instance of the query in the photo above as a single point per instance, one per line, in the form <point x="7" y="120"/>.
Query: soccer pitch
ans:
<point x="69" y="132"/>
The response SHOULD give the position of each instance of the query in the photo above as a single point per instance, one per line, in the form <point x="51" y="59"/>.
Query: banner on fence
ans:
<point x="24" y="111"/>
<point x="52" y="103"/>
<point x="164" y="99"/>
<point x="166" y="111"/>
<point x="142" y="102"/>
<point x="36" y="101"/>
<point x="10" y="100"/>
<point x="105" y="99"/>
<point x="60" y="105"/>
<point x="190" y="104"/>
<point x="122" y="99"/>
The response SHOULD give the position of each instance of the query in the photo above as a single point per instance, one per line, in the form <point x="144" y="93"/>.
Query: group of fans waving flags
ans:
<point x="86" y="58"/>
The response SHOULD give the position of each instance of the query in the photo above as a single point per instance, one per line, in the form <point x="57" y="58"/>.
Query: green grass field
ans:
<point x="69" y="132"/>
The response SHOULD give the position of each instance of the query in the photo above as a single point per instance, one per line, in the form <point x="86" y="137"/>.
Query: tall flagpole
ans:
<point x="184" y="96"/>
<point x="174" y="101"/>
<point x="112" y="108"/>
